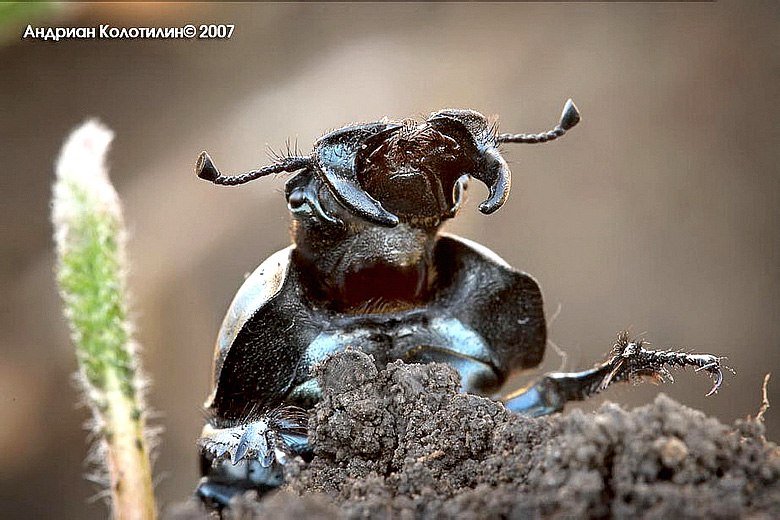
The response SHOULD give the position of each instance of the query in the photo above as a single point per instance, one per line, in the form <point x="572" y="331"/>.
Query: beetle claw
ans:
<point x="243" y="446"/>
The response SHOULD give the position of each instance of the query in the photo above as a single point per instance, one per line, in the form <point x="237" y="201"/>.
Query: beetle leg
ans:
<point x="224" y="480"/>
<point x="281" y="430"/>
<point x="629" y="361"/>
<point x="250" y="455"/>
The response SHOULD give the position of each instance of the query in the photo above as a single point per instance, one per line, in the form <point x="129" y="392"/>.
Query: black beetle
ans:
<point x="369" y="269"/>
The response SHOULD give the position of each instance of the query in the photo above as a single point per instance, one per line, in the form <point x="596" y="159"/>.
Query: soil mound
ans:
<point x="403" y="443"/>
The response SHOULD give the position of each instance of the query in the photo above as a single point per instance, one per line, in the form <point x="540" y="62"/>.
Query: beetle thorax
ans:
<point x="368" y="265"/>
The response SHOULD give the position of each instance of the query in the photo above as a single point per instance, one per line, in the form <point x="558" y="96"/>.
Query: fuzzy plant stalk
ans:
<point x="91" y="273"/>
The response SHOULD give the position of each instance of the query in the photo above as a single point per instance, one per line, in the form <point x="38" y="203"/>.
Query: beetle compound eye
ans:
<point x="304" y="201"/>
<point x="296" y="199"/>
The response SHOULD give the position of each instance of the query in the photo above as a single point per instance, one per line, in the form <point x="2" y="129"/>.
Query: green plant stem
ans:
<point x="91" y="272"/>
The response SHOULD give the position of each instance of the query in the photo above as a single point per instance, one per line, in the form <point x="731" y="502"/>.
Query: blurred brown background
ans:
<point x="659" y="212"/>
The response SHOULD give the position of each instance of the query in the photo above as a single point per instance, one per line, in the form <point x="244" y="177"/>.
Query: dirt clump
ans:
<point x="403" y="443"/>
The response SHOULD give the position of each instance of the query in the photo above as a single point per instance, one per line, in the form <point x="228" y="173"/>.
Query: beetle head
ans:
<point x="385" y="173"/>
<point x="411" y="172"/>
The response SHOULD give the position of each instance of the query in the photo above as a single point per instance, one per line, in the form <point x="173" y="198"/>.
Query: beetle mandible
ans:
<point x="369" y="269"/>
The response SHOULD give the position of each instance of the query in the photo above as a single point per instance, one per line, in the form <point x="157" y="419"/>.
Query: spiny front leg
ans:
<point x="629" y="361"/>
<point x="250" y="454"/>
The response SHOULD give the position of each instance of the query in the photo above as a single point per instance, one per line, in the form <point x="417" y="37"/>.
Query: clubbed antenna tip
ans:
<point x="569" y="118"/>
<point x="570" y="115"/>
<point x="205" y="168"/>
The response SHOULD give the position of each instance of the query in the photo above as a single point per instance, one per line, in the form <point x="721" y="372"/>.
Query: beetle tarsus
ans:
<point x="629" y="361"/>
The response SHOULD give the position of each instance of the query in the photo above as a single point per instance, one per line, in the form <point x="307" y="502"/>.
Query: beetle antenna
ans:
<point x="569" y="118"/>
<point x="206" y="170"/>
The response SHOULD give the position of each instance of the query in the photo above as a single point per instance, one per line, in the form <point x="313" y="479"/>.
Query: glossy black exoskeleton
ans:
<point x="369" y="269"/>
